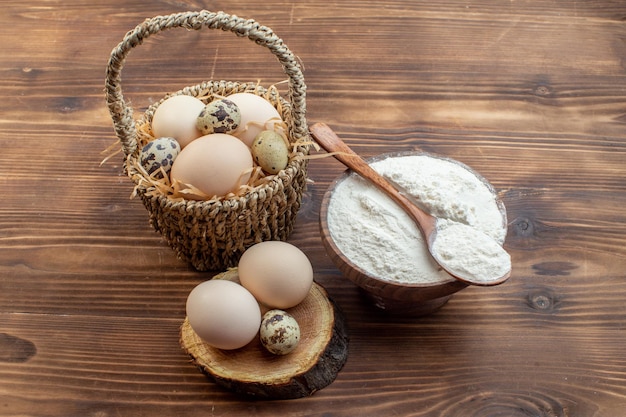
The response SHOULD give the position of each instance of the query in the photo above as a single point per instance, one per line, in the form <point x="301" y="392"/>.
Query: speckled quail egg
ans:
<point x="159" y="153"/>
<point x="280" y="332"/>
<point x="270" y="151"/>
<point x="219" y="116"/>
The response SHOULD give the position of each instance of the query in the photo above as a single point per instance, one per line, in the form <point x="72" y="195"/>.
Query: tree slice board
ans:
<point x="255" y="373"/>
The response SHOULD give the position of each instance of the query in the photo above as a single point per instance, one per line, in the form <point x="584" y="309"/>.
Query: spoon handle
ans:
<point x="332" y="143"/>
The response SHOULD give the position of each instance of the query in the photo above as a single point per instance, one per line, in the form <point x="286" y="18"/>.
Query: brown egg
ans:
<point x="215" y="164"/>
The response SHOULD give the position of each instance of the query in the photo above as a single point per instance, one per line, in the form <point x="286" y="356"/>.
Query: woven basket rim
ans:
<point x="274" y="183"/>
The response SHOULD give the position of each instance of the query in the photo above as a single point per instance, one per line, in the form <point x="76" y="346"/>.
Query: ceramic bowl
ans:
<point x="393" y="296"/>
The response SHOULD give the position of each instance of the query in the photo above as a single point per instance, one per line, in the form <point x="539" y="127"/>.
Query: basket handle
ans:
<point x="122" y="114"/>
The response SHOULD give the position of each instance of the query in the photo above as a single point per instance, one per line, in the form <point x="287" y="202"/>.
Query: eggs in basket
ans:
<point x="201" y="151"/>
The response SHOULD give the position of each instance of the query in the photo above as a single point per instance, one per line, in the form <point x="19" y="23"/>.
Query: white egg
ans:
<point x="223" y="314"/>
<point x="278" y="274"/>
<point x="257" y="115"/>
<point x="216" y="164"/>
<point x="176" y="118"/>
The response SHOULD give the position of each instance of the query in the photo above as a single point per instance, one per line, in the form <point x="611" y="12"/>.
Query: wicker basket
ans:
<point x="213" y="234"/>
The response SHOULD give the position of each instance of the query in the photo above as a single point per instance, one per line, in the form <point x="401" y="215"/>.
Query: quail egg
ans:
<point x="270" y="151"/>
<point x="159" y="153"/>
<point x="280" y="332"/>
<point x="219" y="116"/>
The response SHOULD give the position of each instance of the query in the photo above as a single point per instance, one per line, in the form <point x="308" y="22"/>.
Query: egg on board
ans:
<point x="215" y="164"/>
<point x="270" y="151"/>
<point x="159" y="153"/>
<point x="176" y="118"/>
<point x="277" y="273"/>
<point x="257" y="114"/>
<point x="219" y="116"/>
<point x="223" y="314"/>
<point x="280" y="332"/>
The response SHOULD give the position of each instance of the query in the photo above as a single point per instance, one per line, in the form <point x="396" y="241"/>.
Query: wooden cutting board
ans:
<point x="254" y="372"/>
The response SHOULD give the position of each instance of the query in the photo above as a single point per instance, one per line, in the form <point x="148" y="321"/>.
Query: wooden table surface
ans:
<point x="530" y="93"/>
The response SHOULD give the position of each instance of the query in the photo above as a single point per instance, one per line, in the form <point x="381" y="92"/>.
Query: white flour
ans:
<point x="469" y="253"/>
<point x="380" y="238"/>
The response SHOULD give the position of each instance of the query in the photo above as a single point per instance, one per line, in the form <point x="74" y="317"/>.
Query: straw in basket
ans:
<point x="212" y="234"/>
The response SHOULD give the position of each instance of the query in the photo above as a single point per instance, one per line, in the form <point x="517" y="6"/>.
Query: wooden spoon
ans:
<point x="430" y="226"/>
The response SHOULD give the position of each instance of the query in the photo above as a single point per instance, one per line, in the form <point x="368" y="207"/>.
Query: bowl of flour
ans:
<point x="375" y="244"/>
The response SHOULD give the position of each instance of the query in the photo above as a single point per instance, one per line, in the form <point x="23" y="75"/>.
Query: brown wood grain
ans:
<point x="529" y="93"/>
